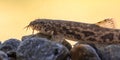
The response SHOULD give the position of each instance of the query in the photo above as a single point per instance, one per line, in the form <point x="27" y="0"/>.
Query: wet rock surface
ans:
<point x="58" y="39"/>
<point x="112" y="52"/>
<point x="104" y="51"/>
<point x="36" y="48"/>
<point x="84" y="52"/>
<point x="9" y="45"/>
<point x="41" y="49"/>
<point x="3" y="56"/>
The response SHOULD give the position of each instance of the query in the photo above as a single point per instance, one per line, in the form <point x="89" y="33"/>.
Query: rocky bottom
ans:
<point x="36" y="48"/>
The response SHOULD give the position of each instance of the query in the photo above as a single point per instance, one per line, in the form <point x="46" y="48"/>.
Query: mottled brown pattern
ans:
<point x="119" y="36"/>
<point x="108" y="36"/>
<point x="91" y="39"/>
<point x="87" y="33"/>
<point x="76" y="30"/>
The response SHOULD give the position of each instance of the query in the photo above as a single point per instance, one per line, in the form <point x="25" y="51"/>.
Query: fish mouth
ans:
<point x="39" y="26"/>
<point x="35" y="27"/>
<point x="40" y="29"/>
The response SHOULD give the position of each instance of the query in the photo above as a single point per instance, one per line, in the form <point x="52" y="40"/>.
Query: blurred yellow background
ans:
<point x="16" y="14"/>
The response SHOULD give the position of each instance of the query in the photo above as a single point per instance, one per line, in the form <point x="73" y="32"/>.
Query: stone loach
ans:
<point x="76" y="31"/>
<point x="95" y="42"/>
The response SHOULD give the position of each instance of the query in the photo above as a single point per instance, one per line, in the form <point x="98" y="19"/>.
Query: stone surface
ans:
<point x="112" y="52"/>
<point x="105" y="51"/>
<point x="9" y="45"/>
<point x="58" y="39"/>
<point x="41" y="49"/>
<point x="3" y="56"/>
<point x="84" y="52"/>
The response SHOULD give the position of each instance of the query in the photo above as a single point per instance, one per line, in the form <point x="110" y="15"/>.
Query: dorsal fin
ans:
<point x="107" y="23"/>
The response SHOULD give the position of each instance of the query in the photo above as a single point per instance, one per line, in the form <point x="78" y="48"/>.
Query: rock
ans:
<point x="41" y="49"/>
<point x="3" y="56"/>
<point x="56" y="38"/>
<point x="28" y="37"/>
<point x="60" y="39"/>
<point x="84" y="52"/>
<point x="112" y="52"/>
<point x="12" y="55"/>
<point x="9" y="45"/>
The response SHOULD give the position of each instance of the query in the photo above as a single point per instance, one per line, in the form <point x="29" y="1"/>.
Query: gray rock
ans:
<point x="26" y="37"/>
<point x="41" y="49"/>
<point x="106" y="51"/>
<point x="3" y="56"/>
<point x="84" y="52"/>
<point x="56" y="38"/>
<point x="112" y="52"/>
<point x="9" y="45"/>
